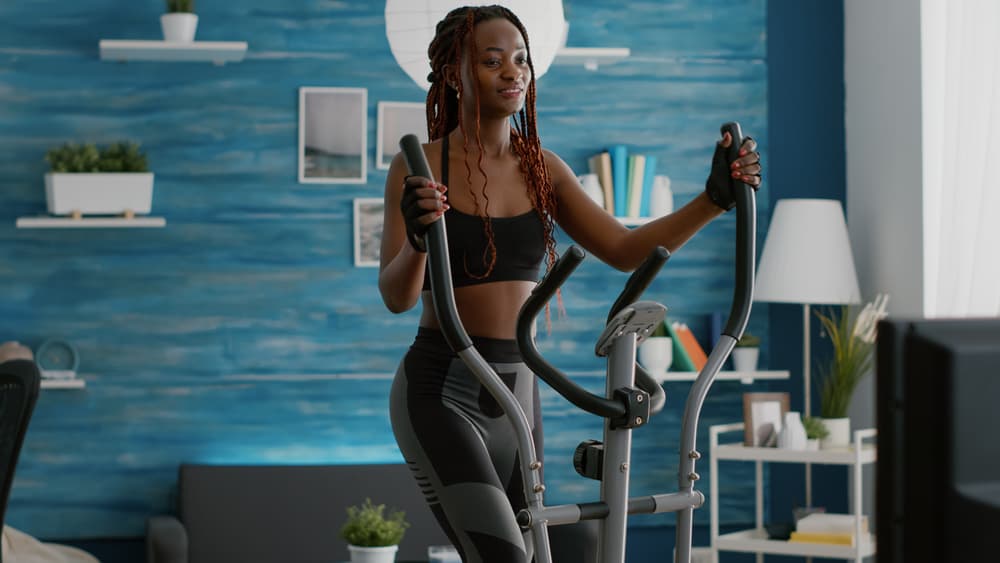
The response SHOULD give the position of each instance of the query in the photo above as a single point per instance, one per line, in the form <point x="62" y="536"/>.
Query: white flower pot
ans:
<point x="179" y="26"/>
<point x="745" y="358"/>
<point x="839" y="433"/>
<point x="99" y="193"/>
<point x="656" y="353"/>
<point x="373" y="554"/>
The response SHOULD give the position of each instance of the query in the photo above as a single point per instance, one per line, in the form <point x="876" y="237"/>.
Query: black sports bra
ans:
<point x="519" y="240"/>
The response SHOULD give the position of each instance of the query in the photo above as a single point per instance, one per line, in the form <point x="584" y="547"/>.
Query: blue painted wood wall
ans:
<point x="242" y="332"/>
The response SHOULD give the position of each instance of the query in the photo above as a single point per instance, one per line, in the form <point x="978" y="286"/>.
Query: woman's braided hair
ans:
<point x="453" y="37"/>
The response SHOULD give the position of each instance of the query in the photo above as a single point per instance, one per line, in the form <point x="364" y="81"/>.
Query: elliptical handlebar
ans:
<point x="746" y="249"/>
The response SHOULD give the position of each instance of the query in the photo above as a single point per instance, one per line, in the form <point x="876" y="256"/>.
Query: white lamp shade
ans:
<point x="410" y="24"/>
<point x="807" y="255"/>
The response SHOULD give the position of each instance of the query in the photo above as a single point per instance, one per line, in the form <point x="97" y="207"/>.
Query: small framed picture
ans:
<point x="333" y="135"/>
<point x="367" y="230"/>
<point x="763" y="415"/>
<point x="396" y="119"/>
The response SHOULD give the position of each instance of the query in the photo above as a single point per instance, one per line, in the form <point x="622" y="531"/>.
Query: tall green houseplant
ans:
<point x="853" y="342"/>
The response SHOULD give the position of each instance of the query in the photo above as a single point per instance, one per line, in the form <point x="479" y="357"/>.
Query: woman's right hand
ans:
<point x="423" y="202"/>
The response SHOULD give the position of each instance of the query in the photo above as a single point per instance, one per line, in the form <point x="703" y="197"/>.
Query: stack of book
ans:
<point x="836" y="529"/>
<point x="688" y="353"/>
<point x="626" y="180"/>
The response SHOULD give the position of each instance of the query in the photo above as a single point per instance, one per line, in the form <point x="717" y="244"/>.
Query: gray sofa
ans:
<point x="293" y="514"/>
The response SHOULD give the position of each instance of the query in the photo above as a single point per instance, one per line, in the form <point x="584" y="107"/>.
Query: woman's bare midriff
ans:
<point x="488" y="309"/>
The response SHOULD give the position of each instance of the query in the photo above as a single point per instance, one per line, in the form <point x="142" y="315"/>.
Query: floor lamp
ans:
<point x="807" y="259"/>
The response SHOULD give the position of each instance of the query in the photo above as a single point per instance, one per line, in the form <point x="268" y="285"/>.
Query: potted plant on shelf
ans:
<point x="372" y="535"/>
<point x="87" y="180"/>
<point x="180" y="22"/>
<point x="853" y="342"/>
<point x="656" y="351"/>
<point x="815" y="431"/>
<point x="746" y="353"/>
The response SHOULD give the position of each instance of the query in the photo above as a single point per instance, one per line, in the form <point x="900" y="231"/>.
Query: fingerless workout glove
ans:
<point x="415" y="230"/>
<point x="719" y="185"/>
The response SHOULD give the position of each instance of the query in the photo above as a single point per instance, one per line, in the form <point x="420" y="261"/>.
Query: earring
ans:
<point x="458" y="95"/>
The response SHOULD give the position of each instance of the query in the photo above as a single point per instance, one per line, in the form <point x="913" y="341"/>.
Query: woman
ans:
<point x="500" y="194"/>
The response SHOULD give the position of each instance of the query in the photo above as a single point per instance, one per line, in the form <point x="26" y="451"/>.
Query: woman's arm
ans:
<point x="623" y="248"/>
<point x="401" y="271"/>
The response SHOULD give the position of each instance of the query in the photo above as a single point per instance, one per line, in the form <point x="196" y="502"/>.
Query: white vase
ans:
<point x="661" y="198"/>
<point x="385" y="554"/>
<point x="592" y="186"/>
<point x="839" y="433"/>
<point x="179" y="26"/>
<point x="98" y="193"/>
<point x="745" y="358"/>
<point x="793" y="433"/>
<point x="656" y="353"/>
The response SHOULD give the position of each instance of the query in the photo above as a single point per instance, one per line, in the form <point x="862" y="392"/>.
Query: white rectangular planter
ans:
<point x="99" y="193"/>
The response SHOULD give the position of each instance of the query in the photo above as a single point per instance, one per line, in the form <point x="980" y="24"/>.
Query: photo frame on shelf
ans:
<point x="763" y="415"/>
<point x="333" y="135"/>
<point x="396" y="119"/>
<point x="367" y="230"/>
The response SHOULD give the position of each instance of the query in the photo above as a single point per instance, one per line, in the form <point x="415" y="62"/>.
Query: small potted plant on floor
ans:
<point x="746" y="353"/>
<point x="87" y="180"/>
<point x="373" y="535"/>
<point x="180" y="22"/>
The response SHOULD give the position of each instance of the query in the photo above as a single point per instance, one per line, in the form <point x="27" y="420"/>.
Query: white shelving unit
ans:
<point x="590" y="57"/>
<point x="756" y="540"/>
<point x="47" y="222"/>
<point x="217" y="52"/>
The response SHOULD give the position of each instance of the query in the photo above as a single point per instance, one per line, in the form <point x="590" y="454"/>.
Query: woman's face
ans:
<point x="500" y="66"/>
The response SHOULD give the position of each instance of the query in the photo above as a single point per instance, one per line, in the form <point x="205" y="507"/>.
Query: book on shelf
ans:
<point x="817" y="537"/>
<point x="691" y="345"/>
<point x="619" y="178"/>
<point x="648" y="176"/>
<point x="828" y="523"/>
<point x="681" y="360"/>
<point x="600" y="164"/>
<point x="636" y="175"/>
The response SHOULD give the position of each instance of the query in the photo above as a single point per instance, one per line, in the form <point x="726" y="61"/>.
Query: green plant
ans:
<point x="815" y="429"/>
<point x="184" y="6"/>
<point x="123" y="156"/>
<point x="853" y="346"/>
<point x="368" y="525"/>
<point x="748" y="341"/>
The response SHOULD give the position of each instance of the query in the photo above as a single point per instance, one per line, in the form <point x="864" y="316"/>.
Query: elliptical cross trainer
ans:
<point x="632" y="395"/>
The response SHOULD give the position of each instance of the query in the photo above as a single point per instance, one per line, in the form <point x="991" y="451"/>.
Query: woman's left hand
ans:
<point x="746" y="168"/>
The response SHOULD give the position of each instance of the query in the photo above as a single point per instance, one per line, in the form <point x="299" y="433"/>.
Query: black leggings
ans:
<point x="461" y="447"/>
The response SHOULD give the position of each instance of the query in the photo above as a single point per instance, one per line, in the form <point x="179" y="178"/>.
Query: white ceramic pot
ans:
<point x="839" y="433"/>
<point x="745" y="358"/>
<point x="373" y="554"/>
<point x="179" y="26"/>
<point x="793" y="433"/>
<point x="99" y="193"/>
<point x="656" y="353"/>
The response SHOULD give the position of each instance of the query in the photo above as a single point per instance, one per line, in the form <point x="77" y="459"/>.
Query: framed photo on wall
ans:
<point x="396" y="119"/>
<point x="763" y="415"/>
<point x="333" y="135"/>
<point x="367" y="230"/>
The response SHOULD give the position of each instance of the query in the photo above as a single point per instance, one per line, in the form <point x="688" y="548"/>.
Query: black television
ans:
<point x="937" y="479"/>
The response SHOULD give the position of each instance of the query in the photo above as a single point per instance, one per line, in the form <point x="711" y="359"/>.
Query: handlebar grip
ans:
<point x="640" y="279"/>
<point x="746" y="230"/>
<point x="442" y="292"/>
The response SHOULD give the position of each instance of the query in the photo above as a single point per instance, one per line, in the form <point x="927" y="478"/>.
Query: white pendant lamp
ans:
<point x="409" y="26"/>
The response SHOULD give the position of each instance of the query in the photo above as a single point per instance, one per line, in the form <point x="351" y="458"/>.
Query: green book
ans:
<point x="682" y="361"/>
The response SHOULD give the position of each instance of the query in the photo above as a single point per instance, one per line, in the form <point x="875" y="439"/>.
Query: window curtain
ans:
<point x="961" y="147"/>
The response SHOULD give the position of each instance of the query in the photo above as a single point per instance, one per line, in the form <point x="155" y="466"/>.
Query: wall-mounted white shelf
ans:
<point x="590" y="57"/>
<point x="218" y="52"/>
<point x="634" y="221"/>
<point x="45" y="222"/>
<point x="742" y="376"/>
<point x="63" y="384"/>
